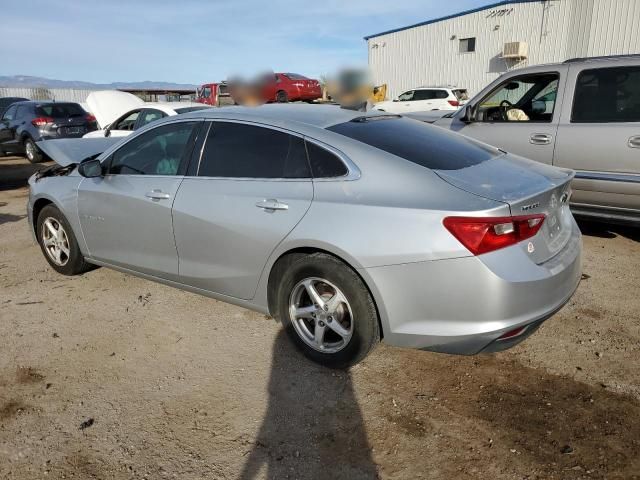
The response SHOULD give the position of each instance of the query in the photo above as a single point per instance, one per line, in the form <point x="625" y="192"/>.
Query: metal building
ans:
<point x="472" y="48"/>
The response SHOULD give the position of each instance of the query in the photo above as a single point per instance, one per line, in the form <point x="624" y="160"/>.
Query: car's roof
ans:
<point x="321" y="116"/>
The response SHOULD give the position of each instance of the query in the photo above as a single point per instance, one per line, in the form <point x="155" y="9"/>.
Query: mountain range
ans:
<point x="26" y="81"/>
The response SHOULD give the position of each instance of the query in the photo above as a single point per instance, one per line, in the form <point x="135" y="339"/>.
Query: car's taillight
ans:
<point x="41" y="121"/>
<point x="482" y="235"/>
<point x="454" y="103"/>
<point x="91" y="118"/>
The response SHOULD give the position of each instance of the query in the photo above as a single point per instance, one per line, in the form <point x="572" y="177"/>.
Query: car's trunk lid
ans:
<point x="529" y="188"/>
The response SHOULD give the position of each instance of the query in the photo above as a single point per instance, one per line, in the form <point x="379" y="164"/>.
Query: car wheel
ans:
<point x="58" y="243"/>
<point x="32" y="152"/>
<point x="281" y="97"/>
<point x="327" y="311"/>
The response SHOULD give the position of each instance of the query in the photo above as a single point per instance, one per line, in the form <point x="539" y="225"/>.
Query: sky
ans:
<point x="197" y="41"/>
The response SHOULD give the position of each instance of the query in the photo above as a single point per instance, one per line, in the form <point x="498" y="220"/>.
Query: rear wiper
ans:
<point x="375" y="117"/>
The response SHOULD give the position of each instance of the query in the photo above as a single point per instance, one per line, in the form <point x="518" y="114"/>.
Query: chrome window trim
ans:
<point x="607" y="177"/>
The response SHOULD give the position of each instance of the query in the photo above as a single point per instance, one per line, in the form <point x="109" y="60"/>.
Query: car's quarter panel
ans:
<point x="462" y="305"/>
<point x="223" y="238"/>
<point x="123" y="226"/>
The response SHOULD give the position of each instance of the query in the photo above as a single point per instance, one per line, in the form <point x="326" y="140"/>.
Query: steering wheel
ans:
<point x="505" y="106"/>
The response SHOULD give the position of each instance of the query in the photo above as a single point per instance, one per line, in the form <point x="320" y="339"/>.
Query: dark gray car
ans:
<point x="25" y="123"/>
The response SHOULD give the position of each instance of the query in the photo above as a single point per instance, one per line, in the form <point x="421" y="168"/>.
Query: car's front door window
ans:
<point x="157" y="152"/>
<point x="150" y="115"/>
<point x="127" y="122"/>
<point x="529" y="98"/>
<point x="406" y="96"/>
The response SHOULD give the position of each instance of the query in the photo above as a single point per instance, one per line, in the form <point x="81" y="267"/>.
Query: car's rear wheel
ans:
<point x="32" y="152"/>
<point x="58" y="244"/>
<point x="282" y="97"/>
<point x="328" y="311"/>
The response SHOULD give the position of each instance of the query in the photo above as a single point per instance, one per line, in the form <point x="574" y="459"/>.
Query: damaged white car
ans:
<point x="120" y="113"/>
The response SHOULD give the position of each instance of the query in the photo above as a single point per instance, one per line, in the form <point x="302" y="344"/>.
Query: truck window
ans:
<point x="529" y="98"/>
<point x="606" y="95"/>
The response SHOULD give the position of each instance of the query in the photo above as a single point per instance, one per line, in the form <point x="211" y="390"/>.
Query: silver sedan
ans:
<point x="348" y="227"/>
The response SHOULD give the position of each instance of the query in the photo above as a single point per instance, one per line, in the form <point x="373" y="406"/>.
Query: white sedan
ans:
<point x="119" y="113"/>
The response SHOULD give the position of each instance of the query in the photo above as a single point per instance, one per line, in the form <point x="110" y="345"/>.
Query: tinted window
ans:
<point x="607" y="95"/>
<point x="295" y="76"/>
<point x="426" y="145"/>
<point x="60" y="110"/>
<point x="324" y="164"/>
<point x="10" y="113"/>
<point x="156" y="152"/>
<point x="21" y="111"/>
<point x="247" y="151"/>
<point x="423" y="95"/>
<point x="467" y="45"/>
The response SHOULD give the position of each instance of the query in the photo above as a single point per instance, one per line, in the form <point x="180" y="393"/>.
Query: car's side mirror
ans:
<point x="396" y="99"/>
<point x="107" y="131"/>
<point x="539" y="106"/>
<point x="90" y="168"/>
<point x="469" y="115"/>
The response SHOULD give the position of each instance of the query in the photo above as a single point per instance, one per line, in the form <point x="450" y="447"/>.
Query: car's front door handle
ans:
<point x="634" y="142"/>
<point x="272" y="204"/>
<point x="540" y="139"/>
<point x="157" y="195"/>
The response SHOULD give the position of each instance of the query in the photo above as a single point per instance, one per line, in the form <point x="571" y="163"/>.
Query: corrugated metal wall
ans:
<point x="553" y="29"/>
<point x="40" y="93"/>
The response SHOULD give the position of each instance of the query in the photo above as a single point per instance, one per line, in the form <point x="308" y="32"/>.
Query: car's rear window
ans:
<point x="295" y="76"/>
<point x="189" y="109"/>
<point x="461" y="94"/>
<point x="60" y="110"/>
<point x="426" y="145"/>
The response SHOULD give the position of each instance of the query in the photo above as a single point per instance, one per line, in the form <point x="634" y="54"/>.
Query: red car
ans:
<point x="287" y="87"/>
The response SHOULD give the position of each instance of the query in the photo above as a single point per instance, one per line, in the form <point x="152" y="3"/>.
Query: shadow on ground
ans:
<point x="309" y="432"/>
<point x="608" y="230"/>
<point x="15" y="171"/>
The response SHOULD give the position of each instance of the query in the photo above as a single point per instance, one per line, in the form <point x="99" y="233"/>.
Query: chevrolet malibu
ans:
<point x="347" y="227"/>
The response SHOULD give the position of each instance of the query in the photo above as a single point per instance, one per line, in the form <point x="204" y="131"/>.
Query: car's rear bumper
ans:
<point x="463" y="305"/>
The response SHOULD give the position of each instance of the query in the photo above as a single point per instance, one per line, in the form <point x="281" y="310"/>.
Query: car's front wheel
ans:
<point x="32" y="152"/>
<point x="58" y="243"/>
<point x="327" y="311"/>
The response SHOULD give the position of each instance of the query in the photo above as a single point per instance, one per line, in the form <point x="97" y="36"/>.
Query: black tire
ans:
<point x="75" y="263"/>
<point x="32" y="152"/>
<point x="282" y="97"/>
<point x="365" y="331"/>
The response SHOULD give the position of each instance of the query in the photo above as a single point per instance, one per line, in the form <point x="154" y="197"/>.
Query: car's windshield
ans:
<point x="60" y="110"/>
<point x="425" y="145"/>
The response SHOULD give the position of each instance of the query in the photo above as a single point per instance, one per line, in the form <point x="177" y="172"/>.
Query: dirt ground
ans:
<point x="113" y="377"/>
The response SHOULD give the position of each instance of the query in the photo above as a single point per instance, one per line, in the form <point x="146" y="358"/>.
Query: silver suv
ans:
<point x="582" y="114"/>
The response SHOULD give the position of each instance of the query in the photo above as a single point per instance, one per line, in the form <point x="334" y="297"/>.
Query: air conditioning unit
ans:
<point x="516" y="50"/>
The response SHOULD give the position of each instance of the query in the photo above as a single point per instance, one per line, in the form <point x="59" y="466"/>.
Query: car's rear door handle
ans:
<point x="540" y="139"/>
<point x="157" y="195"/>
<point x="634" y="142"/>
<point x="272" y="204"/>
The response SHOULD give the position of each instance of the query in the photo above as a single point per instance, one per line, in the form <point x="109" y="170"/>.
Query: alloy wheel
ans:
<point x="30" y="150"/>
<point x="321" y="315"/>
<point x="55" y="241"/>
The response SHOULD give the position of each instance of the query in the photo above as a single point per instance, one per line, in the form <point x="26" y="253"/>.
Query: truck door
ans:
<point x="520" y="114"/>
<point x="599" y="137"/>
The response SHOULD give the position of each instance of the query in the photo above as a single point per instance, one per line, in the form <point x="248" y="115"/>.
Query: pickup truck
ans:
<point x="583" y="114"/>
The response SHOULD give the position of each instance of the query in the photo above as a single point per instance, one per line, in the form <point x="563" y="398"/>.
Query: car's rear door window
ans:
<point x="606" y="95"/>
<point x="60" y="110"/>
<point x="426" y="145"/>
<point x="238" y="150"/>
<point x="159" y="151"/>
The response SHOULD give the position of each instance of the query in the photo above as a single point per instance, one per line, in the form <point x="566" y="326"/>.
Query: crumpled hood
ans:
<point x="108" y="105"/>
<point x="65" y="151"/>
